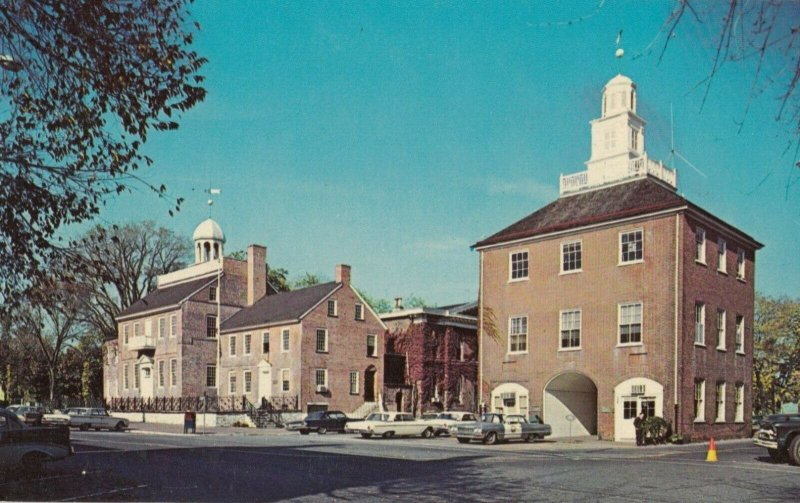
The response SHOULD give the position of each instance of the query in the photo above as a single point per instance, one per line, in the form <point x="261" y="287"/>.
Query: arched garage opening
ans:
<point x="570" y="399"/>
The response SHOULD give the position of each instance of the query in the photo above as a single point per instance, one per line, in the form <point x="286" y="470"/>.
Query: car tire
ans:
<point x="366" y="435"/>
<point x="490" y="438"/>
<point x="31" y="463"/>
<point x="388" y="434"/>
<point x="794" y="450"/>
<point x="120" y="426"/>
<point x="463" y="440"/>
<point x="428" y="433"/>
<point x="84" y="427"/>
<point x="527" y="438"/>
<point x="303" y="432"/>
<point x="322" y="430"/>
<point x="776" y="455"/>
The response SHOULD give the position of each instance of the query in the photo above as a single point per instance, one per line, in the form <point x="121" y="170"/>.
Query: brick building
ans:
<point x="322" y="344"/>
<point x="619" y="296"/>
<point x="431" y="358"/>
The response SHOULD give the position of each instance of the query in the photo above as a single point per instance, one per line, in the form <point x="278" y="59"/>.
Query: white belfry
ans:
<point x="208" y="241"/>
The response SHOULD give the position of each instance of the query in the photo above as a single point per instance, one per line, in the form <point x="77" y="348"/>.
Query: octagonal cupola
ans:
<point x="208" y="241"/>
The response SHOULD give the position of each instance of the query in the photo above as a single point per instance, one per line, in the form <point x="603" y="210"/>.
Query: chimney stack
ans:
<point x="398" y="303"/>
<point x="256" y="273"/>
<point x="343" y="274"/>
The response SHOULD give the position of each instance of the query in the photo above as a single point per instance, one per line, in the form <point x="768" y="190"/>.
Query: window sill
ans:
<point x="630" y="262"/>
<point x="721" y="271"/>
<point x="359" y="319"/>
<point x="333" y="316"/>
<point x="700" y="420"/>
<point x="517" y="280"/>
<point x="700" y="262"/>
<point x="566" y="350"/>
<point x="720" y="421"/>
<point x="567" y="273"/>
<point x="322" y="352"/>
<point x="699" y="345"/>
<point x="741" y="353"/>
<point x="516" y="353"/>
<point x="741" y="280"/>
<point x="722" y="350"/>
<point x="630" y="345"/>
<point x="739" y="421"/>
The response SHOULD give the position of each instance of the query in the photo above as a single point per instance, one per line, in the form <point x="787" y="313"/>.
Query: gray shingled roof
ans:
<point x="169" y="296"/>
<point x="283" y="306"/>
<point x="625" y="200"/>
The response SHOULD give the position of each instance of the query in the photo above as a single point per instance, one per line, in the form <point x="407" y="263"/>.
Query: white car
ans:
<point x="445" y="422"/>
<point x="55" y="417"/>
<point x="390" y="424"/>
<point x="85" y="418"/>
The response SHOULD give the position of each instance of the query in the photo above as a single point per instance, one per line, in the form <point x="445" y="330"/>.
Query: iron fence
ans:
<point x="199" y="403"/>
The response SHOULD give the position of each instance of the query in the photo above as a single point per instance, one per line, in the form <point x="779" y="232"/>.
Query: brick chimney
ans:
<point x="256" y="273"/>
<point x="343" y="274"/>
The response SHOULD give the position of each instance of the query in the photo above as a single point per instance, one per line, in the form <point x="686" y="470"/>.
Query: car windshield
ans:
<point x="376" y="417"/>
<point x="12" y="408"/>
<point x="315" y="415"/>
<point x="429" y="416"/>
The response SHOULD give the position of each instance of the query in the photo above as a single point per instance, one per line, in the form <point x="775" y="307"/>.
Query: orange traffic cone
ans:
<point x="712" y="451"/>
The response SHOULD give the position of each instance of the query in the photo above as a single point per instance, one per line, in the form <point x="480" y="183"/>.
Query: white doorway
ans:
<point x="631" y="397"/>
<point x="146" y="379"/>
<point x="264" y="381"/>
<point x="510" y="398"/>
<point x="570" y="405"/>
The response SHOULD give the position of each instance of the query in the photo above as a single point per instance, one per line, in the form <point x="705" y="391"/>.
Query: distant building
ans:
<point x="620" y="296"/>
<point x="431" y="358"/>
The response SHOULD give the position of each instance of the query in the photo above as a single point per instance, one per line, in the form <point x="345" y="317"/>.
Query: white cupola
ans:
<point x="618" y="135"/>
<point x="208" y="240"/>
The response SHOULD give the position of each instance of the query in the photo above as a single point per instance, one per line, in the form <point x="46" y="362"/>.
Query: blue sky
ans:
<point x="393" y="135"/>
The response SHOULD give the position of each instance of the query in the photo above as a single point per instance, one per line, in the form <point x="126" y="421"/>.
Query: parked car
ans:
<point x="444" y="423"/>
<point x="28" y="414"/>
<point x="780" y="435"/>
<point x="493" y="428"/>
<point x="390" y="424"/>
<point x="99" y="419"/>
<point x="53" y="417"/>
<point x="29" y="446"/>
<point x="321" y="421"/>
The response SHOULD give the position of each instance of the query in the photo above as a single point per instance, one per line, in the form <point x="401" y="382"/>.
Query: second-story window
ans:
<point x="700" y="324"/>
<point x="247" y="339"/>
<point x="372" y="347"/>
<point x="518" y="334"/>
<point x="740" y="264"/>
<point x="162" y="327"/>
<point x="211" y="327"/>
<point x="700" y="245"/>
<point x="359" y="309"/>
<point x="212" y="293"/>
<point x="631" y="247"/>
<point x="265" y="343"/>
<point x="232" y="382"/>
<point x="630" y="323"/>
<point x="211" y="376"/>
<point x="518" y="262"/>
<point x="285" y="340"/>
<point x="333" y="308"/>
<point x="571" y="259"/>
<point x="173" y="325"/>
<point x="232" y="342"/>
<point x="571" y="329"/>
<point x="125" y="333"/>
<point x="322" y="340"/>
<point x="722" y="263"/>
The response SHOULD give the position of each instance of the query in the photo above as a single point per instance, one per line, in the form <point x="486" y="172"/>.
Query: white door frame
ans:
<point x="264" y="381"/>
<point x="649" y="390"/>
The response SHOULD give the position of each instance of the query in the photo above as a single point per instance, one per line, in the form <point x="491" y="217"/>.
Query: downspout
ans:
<point x="219" y="323"/>
<point x="480" y="331"/>
<point x="676" y="384"/>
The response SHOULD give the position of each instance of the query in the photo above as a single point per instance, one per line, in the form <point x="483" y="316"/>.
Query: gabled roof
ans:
<point x="284" y="306"/>
<point x="167" y="296"/>
<point x="624" y="200"/>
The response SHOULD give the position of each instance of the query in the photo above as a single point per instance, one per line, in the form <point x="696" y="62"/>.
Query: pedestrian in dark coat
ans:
<point x="638" y="423"/>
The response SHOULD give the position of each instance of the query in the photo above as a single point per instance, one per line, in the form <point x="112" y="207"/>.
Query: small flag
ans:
<point x="619" y="37"/>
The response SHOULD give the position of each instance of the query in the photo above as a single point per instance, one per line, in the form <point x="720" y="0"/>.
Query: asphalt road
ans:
<point x="137" y="467"/>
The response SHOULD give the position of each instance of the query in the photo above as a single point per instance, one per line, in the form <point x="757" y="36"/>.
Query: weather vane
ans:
<point x="213" y="192"/>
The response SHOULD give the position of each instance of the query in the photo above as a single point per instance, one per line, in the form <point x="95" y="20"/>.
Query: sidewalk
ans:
<point x="177" y="429"/>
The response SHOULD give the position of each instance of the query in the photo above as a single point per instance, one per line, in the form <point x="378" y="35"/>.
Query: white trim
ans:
<point x="700" y="256"/>
<point x="619" y="323"/>
<point x="701" y="417"/>
<point x="316" y="340"/>
<point x="508" y="335"/>
<point x="511" y="254"/>
<point x="323" y="299"/>
<point x="720" y="409"/>
<point x="170" y="307"/>
<point x="335" y="309"/>
<point x="247" y="344"/>
<point x="261" y="326"/>
<point x="724" y="338"/>
<point x="722" y="256"/>
<point x="561" y="313"/>
<point x="561" y="256"/>
<point x="232" y="345"/>
<point x="286" y="343"/>
<point x="620" y="262"/>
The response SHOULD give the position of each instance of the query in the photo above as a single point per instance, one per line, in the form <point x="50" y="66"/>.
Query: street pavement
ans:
<point x="159" y="463"/>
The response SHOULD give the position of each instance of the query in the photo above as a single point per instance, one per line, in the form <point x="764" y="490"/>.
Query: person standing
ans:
<point x="638" y="423"/>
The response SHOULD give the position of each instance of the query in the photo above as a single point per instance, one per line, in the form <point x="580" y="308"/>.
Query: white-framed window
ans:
<point x="162" y="327"/>
<point x="722" y="249"/>
<point x="700" y="245"/>
<point x="700" y="324"/>
<point x="354" y="382"/>
<point x="211" y="326"/>
<point x="720" y="418"/>
<point x="739" y="398"/>
<point x="232" y="382"/>
<point x="247" y="378"/>
<point x="285" y="380"/>
<point x="285" y="340"/>
<point x="570" y="329"/>
<point x="137" y="329"/>
<point x="740" y="264"/>
<point x="699" y="400"/>
<point x="372" y="345"/>
<point x="247" y="343"/>
<point x="333" y="308"/>
<point x="462" y="347"/>
<point x="321" y="377"/>
<point x="518" y="334"/>
<point x="125" y="333"/>
<point x="212" y="293"/>
<point x="630" y="323"/>
<point x="173" y="325"/>
<point x="322" y="340"/>
<point x="359" y="309"/>
<point x="232" y="345"/>
<point x="740" y="334"/>
<point x="136" y="372"/>
<point x="265" y="343"/>
<point x="571" y="256"/>
<point x="161" y="368"/>
<point x="518" y="265"/>
<point x="211" y="376"/>
<point x="125" y="373"/>
<point x="631" y="247"/>
<point x="173" y="372"/>
<point x="721" y="319"/>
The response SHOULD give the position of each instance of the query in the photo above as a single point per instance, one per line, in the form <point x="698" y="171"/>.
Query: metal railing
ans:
<point x="199" y="403"/>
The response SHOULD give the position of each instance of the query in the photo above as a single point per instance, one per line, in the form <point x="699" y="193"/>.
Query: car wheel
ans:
<point x="776" y="455"/>
<point x="794" y="450"/>
<point x="366" y="435"/>
<point x="120" y="426"/>
<point x="84" y="427"/>
<point x="304" y="432"/>
<point x="527" y="438"/>
<point x="322" y="430"/>
<point x="428" y="433"/>
<point x="490" y="438"/>
<point x="388" y="434"/>
<point x="463" y="440"/>
<point x="31" y="463"/>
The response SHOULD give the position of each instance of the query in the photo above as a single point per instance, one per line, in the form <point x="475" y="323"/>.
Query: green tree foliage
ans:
<point x="776" y="353"/>
<point x="377" y="304"/>
<point x="308" y="279"/>
<point x="277" y="277"/>
<point x="82" y="85"/>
